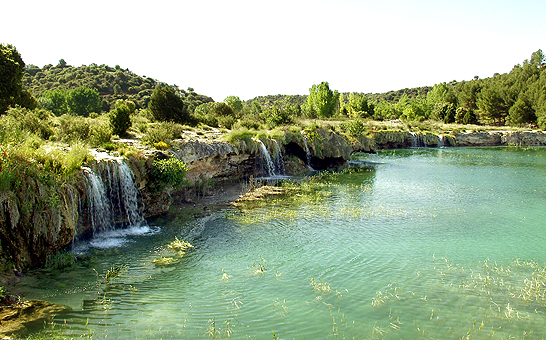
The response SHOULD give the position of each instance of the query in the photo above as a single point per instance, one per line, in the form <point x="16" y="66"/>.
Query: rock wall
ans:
<point x="501" y="138"/>
<point x="36" y="220"/>
<point x="217" y="160"/>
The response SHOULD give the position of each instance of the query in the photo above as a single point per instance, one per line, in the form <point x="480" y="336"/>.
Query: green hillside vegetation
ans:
<point x="111" y="84"/>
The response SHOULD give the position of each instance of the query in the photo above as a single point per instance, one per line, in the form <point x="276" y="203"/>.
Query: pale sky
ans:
<point x="250" y="48"/>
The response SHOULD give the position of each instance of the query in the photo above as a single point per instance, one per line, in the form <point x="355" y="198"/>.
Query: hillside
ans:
<point x="112" y="83"/>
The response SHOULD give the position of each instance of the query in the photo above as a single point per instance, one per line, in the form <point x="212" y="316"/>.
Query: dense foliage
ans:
<point x="517" y="98"/>
<point x="111" y="83"/>
<point x="120" y="116"/>
<point x="11" y="75"/>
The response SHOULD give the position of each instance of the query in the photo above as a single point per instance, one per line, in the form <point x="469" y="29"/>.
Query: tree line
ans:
<point x="517" y="98"/>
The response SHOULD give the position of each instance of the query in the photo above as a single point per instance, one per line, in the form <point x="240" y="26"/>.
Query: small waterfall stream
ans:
<point x="274" y="166"/>
<point x="112" y="201"/>
<point x="278" y="159"/>
<point x="270" y="166"/>
<point x="100" y="212"/>
<point x="307" y="152"/>
<point x="418" y="140"/>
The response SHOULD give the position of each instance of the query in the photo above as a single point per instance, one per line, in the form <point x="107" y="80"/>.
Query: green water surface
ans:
<point x="432" y="243"/>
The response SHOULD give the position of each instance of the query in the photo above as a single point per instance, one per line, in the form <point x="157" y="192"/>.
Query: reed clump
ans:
<point x="172" y="253"/>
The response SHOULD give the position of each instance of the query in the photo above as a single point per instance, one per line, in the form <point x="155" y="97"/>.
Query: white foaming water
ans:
<point x="116" y="238"/>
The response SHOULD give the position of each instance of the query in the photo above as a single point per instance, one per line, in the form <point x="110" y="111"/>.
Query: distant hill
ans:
<point x="112" y="83"/>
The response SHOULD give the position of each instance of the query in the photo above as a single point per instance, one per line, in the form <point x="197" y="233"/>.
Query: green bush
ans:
<point x="120" y="116"/>
<point x="100" y="133"/>
<point x="73" y="129"/>
<point x="33" y="121"/>
<point x="162" y="132"/>
<point x="354" y="128"/>
<point x="169" y="172"/>
<point x="12" y="172"/>
<point x="240" y="134"/>
<point x="247" y="123"/>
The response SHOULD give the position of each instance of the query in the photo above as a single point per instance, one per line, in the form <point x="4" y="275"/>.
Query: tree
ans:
<point x="166" y="106"/>
<point x="58" y="100"/>
<point x="235" y="103"/>
<point x="321" y="101"/>
<point x="82" y="100"/>
<point x="492" y="105"/>
<point x="521" y="113"/>
<point x="11" y="80"/>
<point x="120" y="116"/>
<point x="358" y="106"/>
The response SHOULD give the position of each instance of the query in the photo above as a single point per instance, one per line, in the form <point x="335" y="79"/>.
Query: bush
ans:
<point x="215" y="114"/>
<point x="247" y="123"/>
<point x="163" y="132"/>
<point x="120" y="116"/>
<point x="240" y="134"/>
<point x="100" y="133"/>
<point x="73" y="129"/>
<point x="33" y="121"/>
<point x="354" y="128"/>
<point x="167" y="106"/>
<point x="169" y="172"/>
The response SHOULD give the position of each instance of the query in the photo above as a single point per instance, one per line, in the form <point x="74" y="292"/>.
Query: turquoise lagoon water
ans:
<point x="432" y="243"/>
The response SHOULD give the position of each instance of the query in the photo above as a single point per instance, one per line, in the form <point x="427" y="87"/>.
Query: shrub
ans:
<point x="247" y="123"/>
<point x="167" y="106"/>
<point x="240" y="134"/>
<point x="32" y="121"/>
<point x="354" y="128"/>
<point x="73" y="129"/>
<point x="120" y="116"/>
<point x="169" y="172"/>
<point x="100" y="133"/>
<point x="163" y="132"/>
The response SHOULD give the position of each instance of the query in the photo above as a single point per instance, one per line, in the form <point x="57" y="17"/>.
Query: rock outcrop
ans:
<point x="501" y="138"/>
<point x="216" y="159"/>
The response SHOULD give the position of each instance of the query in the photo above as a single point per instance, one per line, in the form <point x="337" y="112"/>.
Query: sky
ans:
<point x="250" y="48"/>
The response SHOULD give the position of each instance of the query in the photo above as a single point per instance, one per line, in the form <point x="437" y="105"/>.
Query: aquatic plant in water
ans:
<point x="173" y="252"/>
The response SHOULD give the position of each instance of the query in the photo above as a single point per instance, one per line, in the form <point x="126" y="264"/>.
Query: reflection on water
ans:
<point x="430" y="243"/>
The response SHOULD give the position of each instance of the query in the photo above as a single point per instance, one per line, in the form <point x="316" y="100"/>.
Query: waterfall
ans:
<point x="278" y="159"/>
<point x="307" y="152"/>
<point x="274" y="166"/>
<point x="440" y="141"/>
<point x="418" y="140"/>
<point x="112" y="197"/>
<point x="100" y="213"/>
<point x="270" y="167"/>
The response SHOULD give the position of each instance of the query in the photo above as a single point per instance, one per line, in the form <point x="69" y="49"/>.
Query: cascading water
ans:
<point x="278" y="159"/>
<point x="274" y="166"/>
<point x="270" y="166"/>
<point x="100" y="212"/>
<point x="112" y="200"/>
<point x="418" y="140"/>
<point x="307" y="152"/>
<point x="440" y="141"/>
